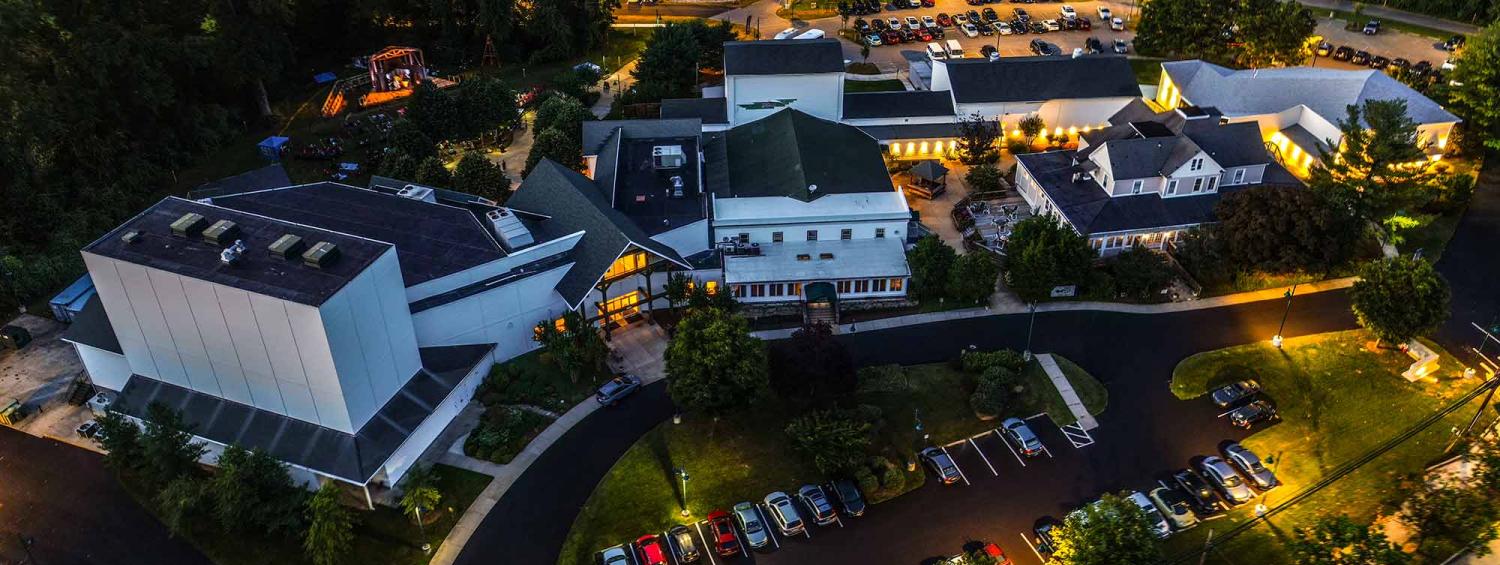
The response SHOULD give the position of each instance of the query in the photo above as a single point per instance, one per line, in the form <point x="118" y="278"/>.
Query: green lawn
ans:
<point x="888" y="85"/>
<point x="1147" y="70"/>
<point x="1338" y="397"/>
<point x="1386" y="24"/>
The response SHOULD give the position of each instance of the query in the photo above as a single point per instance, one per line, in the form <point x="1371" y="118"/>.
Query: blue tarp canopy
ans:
<point x="325" y="77"/>
<point x="271" y="147"/>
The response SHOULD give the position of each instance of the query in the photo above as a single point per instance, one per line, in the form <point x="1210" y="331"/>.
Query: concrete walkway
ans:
<point x="639" y="351"/>
<point x="618" y="81"/>
<point x="1000" y="306"/>
<point x="1065" y="387"/>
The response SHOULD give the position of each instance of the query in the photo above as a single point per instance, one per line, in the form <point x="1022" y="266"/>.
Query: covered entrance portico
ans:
<point x="820" y="303"/>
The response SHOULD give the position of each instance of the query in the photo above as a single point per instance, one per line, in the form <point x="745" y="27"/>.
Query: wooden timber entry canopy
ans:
<point x="397" y="68"/>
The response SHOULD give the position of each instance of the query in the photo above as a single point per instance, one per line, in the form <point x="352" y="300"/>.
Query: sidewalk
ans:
<point x="1065" y="387"/>
<point x="617" y="81"/>
<point x="1004" y="303"/>
<point x="1381" y="12"/>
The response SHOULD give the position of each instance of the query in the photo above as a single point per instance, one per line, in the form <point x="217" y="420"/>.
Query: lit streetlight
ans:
<point x="1277" y="339"/>
<point x="683" y="474"/>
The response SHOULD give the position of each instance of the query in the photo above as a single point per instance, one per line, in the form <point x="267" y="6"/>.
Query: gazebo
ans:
<point x="929" y="179"/>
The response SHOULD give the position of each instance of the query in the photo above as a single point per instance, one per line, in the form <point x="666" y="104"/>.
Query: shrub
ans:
<point x="1140" y="273"/>
<point x="866" y="480"/>
<point x="1017" y="147"/>
<point x="502" y="433"/>
<point x="883" y="378"/>
<point x="981" y="361"/>
<point x="834" y="440"/>
<point x="983" y="178"/>
<point x="990" y="395"/>
<point x="892" y="478"/>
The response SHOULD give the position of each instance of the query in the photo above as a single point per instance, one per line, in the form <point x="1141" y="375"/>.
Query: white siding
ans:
<point x="492" y="268"/>
<point x="121" y="314"/>
<point x="821" y="95"/>
<point x="370" y="340"/>
<point x="504" y="315"/>
<point x="213" y="327"/>
<point x="410" y="450"/>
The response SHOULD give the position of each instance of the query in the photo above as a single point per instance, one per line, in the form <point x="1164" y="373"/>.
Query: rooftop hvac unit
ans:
<point x="132" y="236"/>
<point x="231" y="255"/>
<point x="320" y="255"/>
<point x="509" y="229"/>
<point x="676" y="186"/>
<point x="222" y="233"/>
<point x="287" y="247"/>
<point x="415" y="192"/>
<point x="668" y="157"/>
<point x="189" y="225"/>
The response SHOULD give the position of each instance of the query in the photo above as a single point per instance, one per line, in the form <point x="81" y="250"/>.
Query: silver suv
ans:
<point x="1223" y="477"/>
<point x="817" y="502"/>
<point x="784" y="513"/>
<point x="1249" y="465"/>
<point x="749" y="521"/>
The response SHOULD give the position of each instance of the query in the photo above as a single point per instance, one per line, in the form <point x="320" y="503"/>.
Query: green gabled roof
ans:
<point x="785" y="153"/>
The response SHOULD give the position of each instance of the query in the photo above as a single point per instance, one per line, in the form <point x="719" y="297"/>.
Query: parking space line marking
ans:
<point x="1033" y="548"/>
<point x="838" y="521"/>
<point x="1011" y="449"/>
<point x="671" y="555"/>
<point x="706" y="549"/>
<point x="768" y="525"/>
<point x="1033" y="417"/>
<point x="960" y="470"/>
<point x="1047" y="451"/>
<point x="986" y="459"/>
<point x="806" y="531"/>
<point x="953" y="443"/>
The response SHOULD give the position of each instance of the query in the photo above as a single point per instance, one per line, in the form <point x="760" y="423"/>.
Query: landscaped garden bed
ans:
<point x="521" y="398"/>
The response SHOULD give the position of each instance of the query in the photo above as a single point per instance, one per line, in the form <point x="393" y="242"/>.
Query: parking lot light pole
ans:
<point x="1276" y="340"/>
<point x="1030" y="326"/>
<point x="683" y="474"/>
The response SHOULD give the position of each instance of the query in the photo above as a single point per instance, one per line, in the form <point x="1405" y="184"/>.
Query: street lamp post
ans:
<point x="1030" y="326"/>
<point x="1276" y="340"/>
<point x="683" y="474"/>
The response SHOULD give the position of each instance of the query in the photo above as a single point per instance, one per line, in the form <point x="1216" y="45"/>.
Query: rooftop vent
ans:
<point x="825" y="256"/>
<point x="231" y="255"/>
<point x="287" y="247"/>
<point x="222" y="233"/>
<point x="804" y="257"/>
<point x="132" y="236"/>
<point x="676" y="186"/>
<point x="189" y="225"/>
<point x="509" y="229"/>
<point x="415" y="192"/>
<point x="668" y="157"/>
<point x="321" y="255"/>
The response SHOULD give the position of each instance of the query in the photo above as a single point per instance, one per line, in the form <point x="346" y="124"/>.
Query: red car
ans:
<point x="648" y="547"/>
<point x="923" y="34"/>
<point x="944" y="20"/>
<point x="890" y="37"/>
<point x="722" y="529"/>
<point x="929" y="3"/>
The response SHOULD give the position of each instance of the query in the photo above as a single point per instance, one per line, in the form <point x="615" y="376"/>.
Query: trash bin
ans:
<point x="14" y="337"/>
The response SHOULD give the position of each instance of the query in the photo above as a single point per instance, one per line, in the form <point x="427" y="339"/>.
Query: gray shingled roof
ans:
<point x="785" y="153"/>
<point x="1147" y="157"/>
<point x="787" y="57"/>
<point x="572" y="204"/>
<point x="269" y="176"/>
<point x="898" y="104"/>
<point x="1232" y="145"/>
<point x="709" y="110"/>
<point x="1020" y="79"/>
<point x="911" y="131"/>
<point x="1325" y="91"/>
<point x="596" y="132"/>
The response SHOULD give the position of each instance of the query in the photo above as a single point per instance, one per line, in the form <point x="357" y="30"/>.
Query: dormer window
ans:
<point x="1197" y="164"/>
<point x="1136" y="186"/>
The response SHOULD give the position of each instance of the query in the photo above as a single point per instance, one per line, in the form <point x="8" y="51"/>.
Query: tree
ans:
<point x="678" y="287"/>
<point x="1371" y="174"/>
<point x="1272" y="33"/>
<point x="575" y="345"/>
<point x="252" y="492"/>
<point x="1031" y="126"/>
<point x="1476" y="86"/>
<point x="977" y="137"/>
<point x="252" y="40"/>
<point x="121" y="439"/>
<point x="419" y="492"/>
<point x="1044" y="253"/>
<point x="1400" y="298"/>
<point x="811" y="368"/>
<point x="834" y="440"/>
<point x="560" y="147"/>
<point x="1244" y="33"/>
<point x="1112" y="530"/>
<point x="435" y="111"/>
<point x="992" y="390"/>
<point x="181" y="502"/>
<point x="984" y="178"/>
<point x="1140" y="273"/>
<point x="563" y="113"/>
<point x="1283" y="229"/>
<point x="486" y="105"/>
<point x="711" y="38"/>
<point x="930" y="261"/>
<point x="407" y="138"/>
<point x="668" y="67"/>
<point x="713" y="364"/>
<point x="167" y="447"/>
<point x="330" y="530"/>
<point x="1339" y="540"/>
<point x="477" y="175"/>
<point x="1451" y="518"/>
<point x="431" y="172"/>
<point x="972" y="277"/>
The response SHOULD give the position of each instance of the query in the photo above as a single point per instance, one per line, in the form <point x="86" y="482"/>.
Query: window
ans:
<point x="1172" y="186"/>
<point x="1213" y="183"/>
<point x="626" y="264"/>
<point x="712" y="287"/>
<point x="1136" y="186"/>
<point x="825" y="256"/>
<point x="757" y="290"/>
<point x="744" y="238"/>
<point x="619" y="307"/>
<point x="1198" y="184"/>
<point x="844" y="287"/>
<point x="812" y="235"/>
<point x="777" y="289"/>
<point x="804" y="256"/>
<point x="1196" y="165"/>
<point x="794" y="289"/>
<point x="1239" y="176"/>
<point x="1096" y="243"/>
<point x="862" y="285"/>
<point x="878" y="285"/>
<point x="897" y="284"/>
<point x="775" y="237"/>
<point x="846" y="233"/>
<point x="739" y="290"/>
<point x="879" y="233"/>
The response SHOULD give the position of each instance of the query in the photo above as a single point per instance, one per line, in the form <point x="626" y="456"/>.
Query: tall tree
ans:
<point x="972" y="278"/>
<point x="431" y="172"/>
<point x="1112" y="530"/>
<point x="1031" y="126"/>
<point x="1044" y="253"/>
<point x="977" y="139"/>
<point x="1371" y="172"/>
<point x="121" y="440"/>
<point x="668" y="67"/>
<point x="252" y="37"/>
<point x="563" y="113"/>
<point x="1187" y="29"/>
<point x="330" y="530"/>
<point x="575" y="345"/>
<point x="930" y="261"/>
<point x="435" y="111"/>
<point x="1339" y="540"/>
<point x="476" y="175"/>
<point x="557" y="146"/>
<point x="1475" y="88"/>
<point x="182" y="501"/>
<point x="252" y="492"/>
<point x="167" y="447"/>
<point x="486" y="105"/>
<point x="713" y="364"/>
<point x="812" y="367"/>
<point x="1451" y="518"/>
<point x="1284" y="229"/>
<point x="1272" y="33"/>
<point x="1399" y="298"/>
<point x="1140" y="273"/>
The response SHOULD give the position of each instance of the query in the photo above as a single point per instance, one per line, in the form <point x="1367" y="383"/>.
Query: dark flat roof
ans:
<point x="432" y="240"/>
<point x="1025" y="79"/>
<point x="709" y="110"/>
<point x="91" y="327"/>
<point x="256" y="271"/>
<point x="783" y="57"/>
<point x="269" y="176"/>
<point x="899" y="104"/>
<point x="643" y="193"/>
<point x="355" y="457"/>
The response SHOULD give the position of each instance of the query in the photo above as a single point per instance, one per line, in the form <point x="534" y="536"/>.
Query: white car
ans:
<point x="1052" y="25"/>
<point x="912" y="23"/>
<point x="970" y="30"/>
<point x="895" y="23"/>
<point x="1117" y="24"/>
<point x="929" y="23"/>
<point x="1003" y="28"/>
<point x="1153" y="515"/>
<point x="1105" y="14"/>
<point x="1069" y="12"/>
<point x="784" y="513"/>
<point x="959" y="20"/>
<point x="787" y="33"/>
<point x="617" y="555"/>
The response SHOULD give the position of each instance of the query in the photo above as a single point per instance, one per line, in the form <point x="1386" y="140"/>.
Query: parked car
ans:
<point x="786" y="33"/>
<point x="913" y="23"/>
<point x="1201" y="496"/>
<point x="907" y="36"/>
<point x="1105" y="14"/>
<point x="1117" y="24"/>
<point x="648" y="548"/>
<point x="1343" y="53"/>
<point x="1003" y="28"/>
<point x="816" y="501"/>
<point x="1045" y="545"/>
<point x="1021" y="14"/>
<point x="1325" y="49"/>
<point x="1422" y="67"/>
<point x="1153" y="515"/>
<point x="721" y="530"/>
<point x="1398" y="65"/>
<point x="1453" y="43"/>
<point x="989" y="52"/>
<point x="974" y="17"/>
<point x="1069" y="24"/>
<point x="680" y="541"/>
<point x="944" y="20"/>
<point x="1040" y="47"/>
<point x="929" y="3"/>
<point x="1250" y="466"/>
<point x="929" y="22"/>
<point x="1068" y="12"/>
<point x="617" y="555"/>
<point x="1230" y="394"/>
<point x="1379" y="62"/>
<point x="1084" y="23"/>
<point x="1016" y="430"/>
<point x="1019" y="27"/>
<point x="989" y="15"/>
<point x="990" y="550"/>
<point x="984" y="29"/>
<point x="1252" y="413"/>
<point x="1052" y="25"/>
<point x="890" y="37"/>
<point x="616" y="389"/>
<point x="970" y="30"/>
<point x="1174" y="505"/>
<point x="873" y="40"/>
<point x="88" y="429"/>
<point x="1121" y="47"/>
<point x="1038" y="27"/>
<point x="1223" y="478"/>
<point x="750" y="523"/>
<point x="942" y="465"/>
<point x="959" y="20"/>
<point x="784" y="513"/>
<point x="1093" y="45"/>
<point x="922" y="34"/>
<point x="862" y="26"/>
<point x="851" y="502"/>
<point x="1372" y="28"/>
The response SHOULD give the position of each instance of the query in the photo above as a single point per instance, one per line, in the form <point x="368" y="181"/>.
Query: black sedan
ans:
<point x="851" y="502"/>
<point x="1343" y="53"/>
<point x="1204" y="501"/>
<point x="1252" y="413"/>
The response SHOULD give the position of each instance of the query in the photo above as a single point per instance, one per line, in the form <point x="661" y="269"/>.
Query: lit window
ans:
<point x="712" y="287"/>
<point x="825" y="256"/>
<point x="897" y="284"/>
<point x="794" y="289"/>
<point x="619" y="307"/>
<point x="804" y="256"/>
<point x="846" y="233"/>
<point x="626" y="264"/>
<point x="812" y="235"/>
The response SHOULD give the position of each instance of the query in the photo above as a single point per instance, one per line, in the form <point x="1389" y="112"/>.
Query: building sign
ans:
<point x="769" y="104"/>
